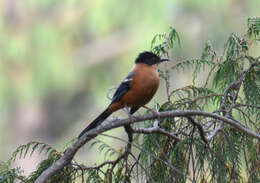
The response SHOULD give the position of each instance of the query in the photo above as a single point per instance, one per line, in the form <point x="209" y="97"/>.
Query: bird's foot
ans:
<point x="132" y="118"/>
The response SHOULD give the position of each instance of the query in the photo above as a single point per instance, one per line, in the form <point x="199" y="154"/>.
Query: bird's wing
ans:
<point x="124" y="87"/>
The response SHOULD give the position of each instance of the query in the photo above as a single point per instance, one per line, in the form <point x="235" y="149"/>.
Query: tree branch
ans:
<point x="72" y="150"/>
<point x="156" y="129"/>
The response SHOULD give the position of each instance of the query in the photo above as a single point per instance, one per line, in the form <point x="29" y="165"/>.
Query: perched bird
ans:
<point x="136" y="90"/>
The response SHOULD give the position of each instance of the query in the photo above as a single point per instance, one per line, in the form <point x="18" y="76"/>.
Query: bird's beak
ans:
<point x="164" y="59"/>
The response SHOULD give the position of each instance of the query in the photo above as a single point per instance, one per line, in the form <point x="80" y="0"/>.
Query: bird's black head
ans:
<point x="149" y="58"/>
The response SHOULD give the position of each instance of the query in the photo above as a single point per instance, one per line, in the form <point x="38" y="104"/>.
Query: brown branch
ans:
<point x="156" y="129"/>
<point x="147" y="152"/>
<point x="72" y="150"/>
<point x="200" y="128"/>
<point x="235" y="85"/>
<point x="246" y="105"/>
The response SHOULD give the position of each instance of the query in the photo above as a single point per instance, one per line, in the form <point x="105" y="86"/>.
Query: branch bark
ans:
<point x="72" y="150"/>
<point x="156" y="129"/>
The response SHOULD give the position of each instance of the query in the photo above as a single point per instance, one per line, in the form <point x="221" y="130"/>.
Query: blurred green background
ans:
<point x="59" y="58"/>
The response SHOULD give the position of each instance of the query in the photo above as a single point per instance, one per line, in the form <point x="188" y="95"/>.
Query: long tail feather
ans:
<point x="96" y="122"/>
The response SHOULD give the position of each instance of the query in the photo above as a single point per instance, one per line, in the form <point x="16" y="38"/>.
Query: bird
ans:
<point x="136" y="90"/>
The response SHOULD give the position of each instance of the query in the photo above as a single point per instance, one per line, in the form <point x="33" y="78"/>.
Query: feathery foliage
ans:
<point x="204" y="149"/>
<point x="231" y="89"/>
<point x="8" y="174"/>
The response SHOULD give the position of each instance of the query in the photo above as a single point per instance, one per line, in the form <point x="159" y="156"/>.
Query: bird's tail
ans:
<point x="97" y="121"/>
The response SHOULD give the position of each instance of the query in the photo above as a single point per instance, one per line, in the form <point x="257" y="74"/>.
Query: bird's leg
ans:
<point x="153" y="111"/>
<point x="129" y="114"/>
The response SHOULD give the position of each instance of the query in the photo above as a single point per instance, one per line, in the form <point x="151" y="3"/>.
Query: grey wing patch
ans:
<point x="124" y="87"/>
